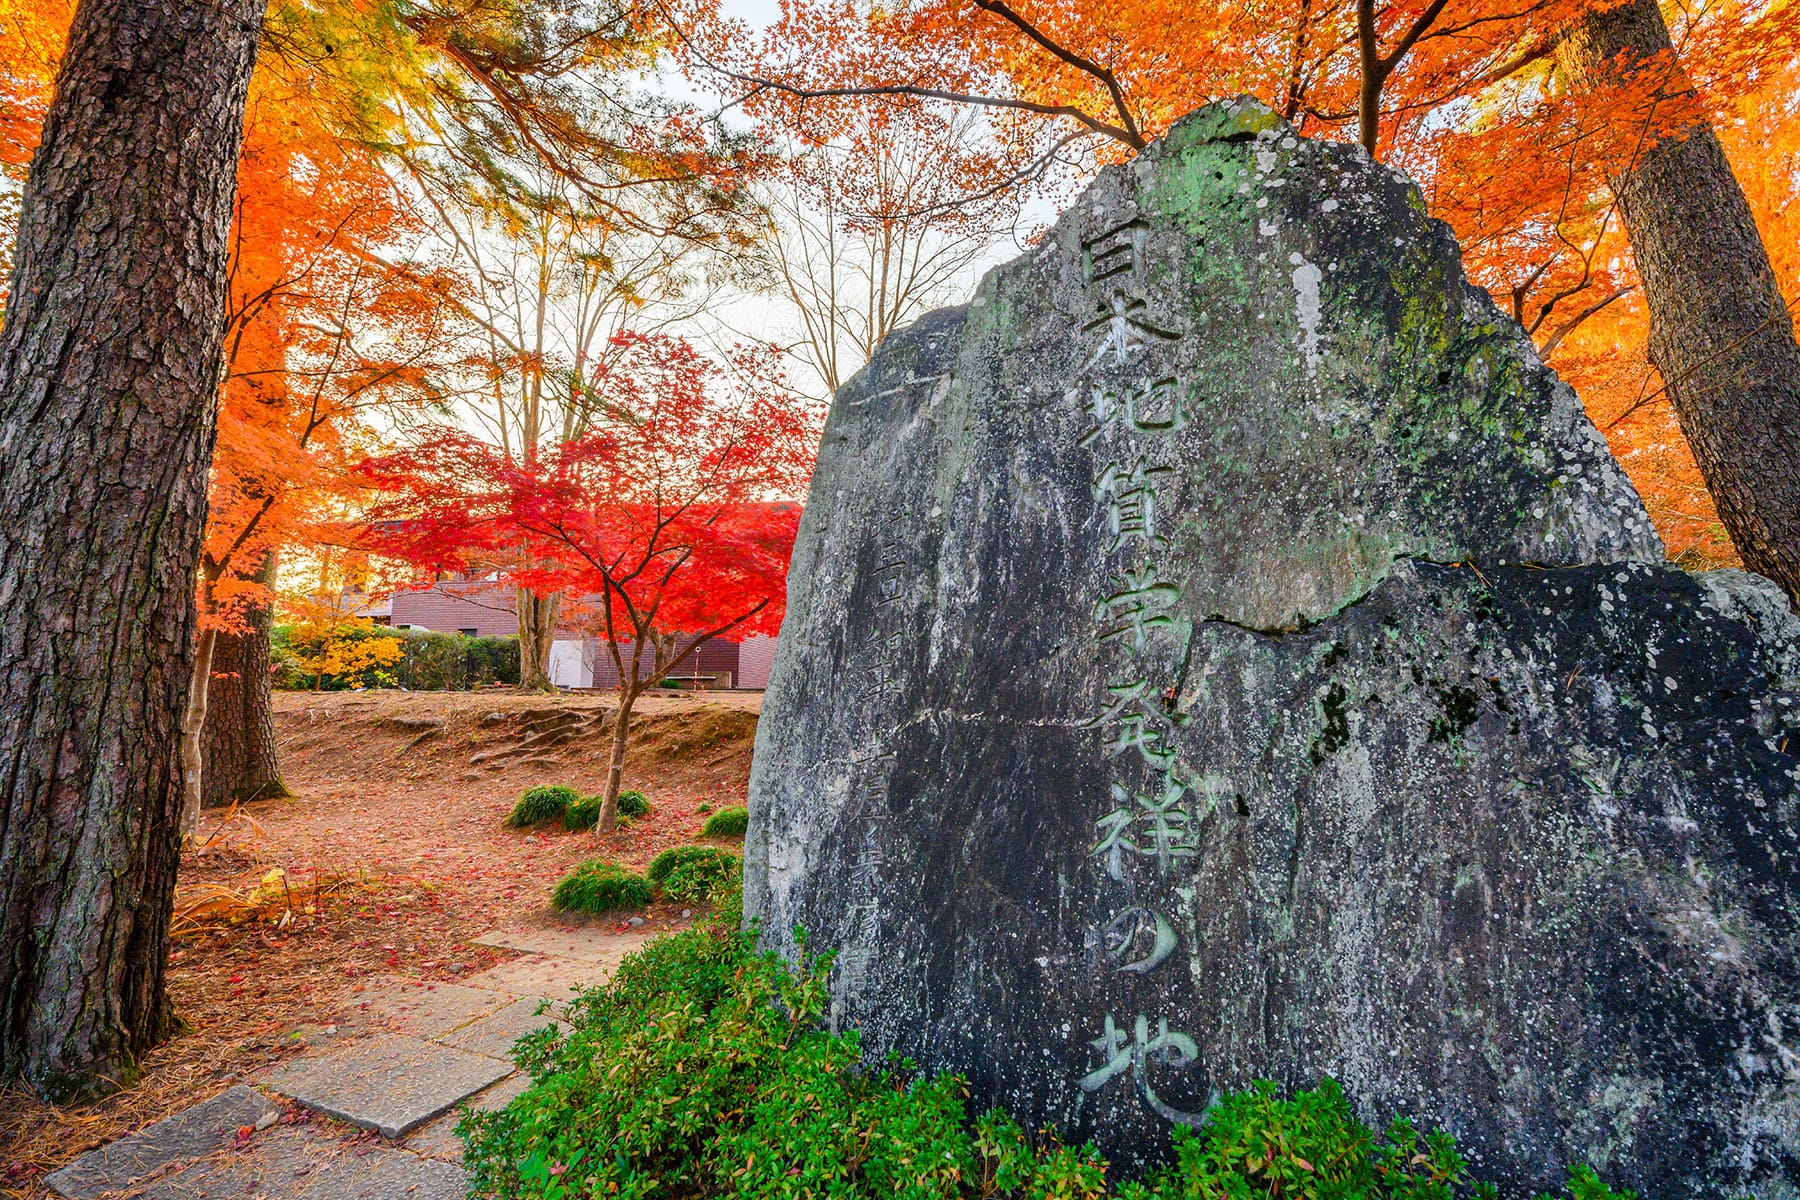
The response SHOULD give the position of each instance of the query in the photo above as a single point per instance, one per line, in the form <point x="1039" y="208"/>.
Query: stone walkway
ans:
<point x="404" y="1060"/>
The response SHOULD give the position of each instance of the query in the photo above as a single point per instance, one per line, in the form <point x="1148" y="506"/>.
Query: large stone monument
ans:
<point x="1222" y="650"/>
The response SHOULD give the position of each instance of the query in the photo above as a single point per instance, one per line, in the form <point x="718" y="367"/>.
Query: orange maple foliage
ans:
<point x="1463" y="99"/>
<point x="328" y="323"/>
<point x="327" y="318"/>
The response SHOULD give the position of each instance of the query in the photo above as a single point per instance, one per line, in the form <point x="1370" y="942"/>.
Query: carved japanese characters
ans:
<point x="1223" y="651"/>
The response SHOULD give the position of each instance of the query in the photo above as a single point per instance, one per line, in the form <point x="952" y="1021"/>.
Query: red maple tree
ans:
<point x="673" y="518"/>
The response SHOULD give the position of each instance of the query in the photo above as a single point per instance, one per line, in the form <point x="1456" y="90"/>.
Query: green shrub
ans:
<point x="696" y="879"/>
<point x="451" y="662"/>
<point x="426" y="661"/>
<point x="434" y="662"/>
<point x="542" y="804"/>
<point x="583" y="813"/>
<point x="727" y="822"/>
<point x="676" y="856"/>
<point x="600" y="887"/>
<point x="705" y="1069"/>
<point x="492" y="660"/>
<point x="1309" y="1147"/>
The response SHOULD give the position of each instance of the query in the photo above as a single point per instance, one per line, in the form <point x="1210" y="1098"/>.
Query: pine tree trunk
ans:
<point x="238" y="741"/>
<point x="537" y="632"/>
<point x="1720" y="333"/>
<point x="109" y="371"/>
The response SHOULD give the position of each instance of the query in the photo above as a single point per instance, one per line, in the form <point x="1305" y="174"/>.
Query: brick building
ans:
<point x="482" y="608"/>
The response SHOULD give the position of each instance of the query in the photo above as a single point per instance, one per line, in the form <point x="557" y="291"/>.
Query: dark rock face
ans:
<point x="1223" y="651"/>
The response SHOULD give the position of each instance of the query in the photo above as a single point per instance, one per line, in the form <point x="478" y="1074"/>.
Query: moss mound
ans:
<point x="727" y="822"/>
<point x="542" y="804"/>
<point x="598" y="887"/>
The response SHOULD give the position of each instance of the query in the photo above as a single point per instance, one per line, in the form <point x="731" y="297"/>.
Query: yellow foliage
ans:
<point x="356" y="651"/>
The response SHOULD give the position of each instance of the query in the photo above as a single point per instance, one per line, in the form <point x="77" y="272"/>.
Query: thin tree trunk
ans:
<point x="1720" y="333"/>
<point x="193" y="722"/>
<point x="537" y="632"/>
<point x="1373" y="75"/>
<point x="238" y="743"/>
<point x="109" y="372"/>
<point x="615" y="761"/>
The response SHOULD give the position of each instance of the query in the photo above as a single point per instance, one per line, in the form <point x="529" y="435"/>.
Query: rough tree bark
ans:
<point x="537" y="631"/>
<point x="1720" y="333"/>
<point x="238" y="738"/>
<point x="109" y="370"/>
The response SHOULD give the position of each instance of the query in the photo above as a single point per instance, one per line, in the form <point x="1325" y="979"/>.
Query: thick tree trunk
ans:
<point x="109" y="370"/>
<point x="1720" y="333"/>
<point x="537" y="631"/>
<point x="238" y="741"/>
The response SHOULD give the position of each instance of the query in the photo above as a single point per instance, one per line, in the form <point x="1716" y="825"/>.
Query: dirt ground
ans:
<point x="389" y="857"/>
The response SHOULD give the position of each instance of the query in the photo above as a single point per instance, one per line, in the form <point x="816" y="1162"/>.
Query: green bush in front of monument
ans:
<point x="694" y="874"/>
<point x="706" y="1069"/>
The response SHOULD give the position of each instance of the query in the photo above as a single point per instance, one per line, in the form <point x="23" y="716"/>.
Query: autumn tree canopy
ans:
<point x="1463" y="95"/>
<point x="669" y="520"/>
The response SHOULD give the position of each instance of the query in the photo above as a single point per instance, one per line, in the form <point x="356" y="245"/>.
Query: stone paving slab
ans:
<point x="438" y="1139"/>
<point x="424" y="1010"/>
<point x="590" y="943"/>
<point x="189" y="1134"/>
<point x="494" y="1034"/>
<point x="542" y="975"/>
<point x="290" y="1164"/>
<point x="392" y="1083"/>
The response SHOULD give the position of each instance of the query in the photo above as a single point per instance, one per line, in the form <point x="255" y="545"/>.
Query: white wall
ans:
<point x="568" y="664"/>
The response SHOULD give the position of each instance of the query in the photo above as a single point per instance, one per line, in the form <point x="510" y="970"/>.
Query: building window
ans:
<point x="468" y="632"/>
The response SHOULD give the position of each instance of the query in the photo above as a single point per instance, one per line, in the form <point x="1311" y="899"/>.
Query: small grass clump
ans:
<point x="597" y="886"/>
<point x="543" y="804"/>
<point x="694" y="874"/>
<point x="727" y="822"/>
<point x="677" y="856"/>
<point x="583" y="814"/>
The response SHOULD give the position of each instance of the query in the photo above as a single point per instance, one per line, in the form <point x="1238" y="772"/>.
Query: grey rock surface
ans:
<point x="1222" y="650"/>
<point x="390" y="1083"/>
<point x="189" y="1134"/>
